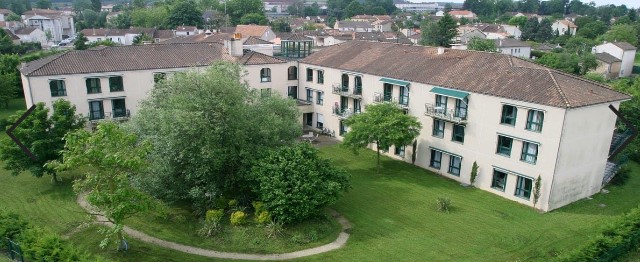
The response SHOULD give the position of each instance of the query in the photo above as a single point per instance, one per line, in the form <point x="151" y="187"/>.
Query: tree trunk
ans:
<point x="378" y="165"/>
<point x="54" y="177"/>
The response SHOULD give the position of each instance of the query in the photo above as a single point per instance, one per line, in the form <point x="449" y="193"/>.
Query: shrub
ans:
<point x="474" y="172"/>
<point x="258" y="207"/>
<point x="238" y="218"/>
<point x="444" y="204"/>
<point x="11" y="225"/>
<point x="263" y="218"/>
<point x="311" y="182"/>
<point x="212" y="223"/>
<point x="38" y="245"/>
<point x="273" y="229"/>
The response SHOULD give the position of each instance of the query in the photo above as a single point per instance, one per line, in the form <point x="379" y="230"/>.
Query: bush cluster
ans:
<point x="212" y="222"/>
<point x="238" y="218"/>
<point x="444" y="204"/>
<point x="614" y="242"/>
<point x="35" y="243"/>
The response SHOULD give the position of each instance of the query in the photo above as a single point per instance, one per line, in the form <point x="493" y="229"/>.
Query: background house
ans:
<point x="514" y="47"/>
<point x="31" y="34"/>
<point x="621" y="50"/>
<point x="564" y="27"/>
<point x="59" y="23"/>
<point x="608" y="65"/>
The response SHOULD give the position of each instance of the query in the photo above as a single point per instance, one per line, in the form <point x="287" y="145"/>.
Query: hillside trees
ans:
<point x="206" y="129"/>
<point x="440" y="33"/>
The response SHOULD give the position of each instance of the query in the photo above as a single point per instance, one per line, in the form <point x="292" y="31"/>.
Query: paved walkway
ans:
<point x="338" y="243"/>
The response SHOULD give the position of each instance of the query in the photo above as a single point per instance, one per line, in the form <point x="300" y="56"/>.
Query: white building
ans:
<point x="563" y="26"/>
<point x="59" y="23"/>
<point x="514" y="47"/>
<point x="31" y="34"/>
<point x="419" y="7"/>
<point x="463" y="14"/>
<point x="353" y="26"/>
<point x="621" y="50"/>
<point x="4" y="13"/>
<point x="186" y="30"/>
<point x="517" y="120"/>
<point x="126" y="36"/>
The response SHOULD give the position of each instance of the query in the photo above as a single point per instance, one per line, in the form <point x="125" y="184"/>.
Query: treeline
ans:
<point x="489" y="10"/>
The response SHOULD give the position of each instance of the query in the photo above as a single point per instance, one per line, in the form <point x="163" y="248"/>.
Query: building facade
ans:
<point x="621" y="50"/>
<point x="518" y="121"/>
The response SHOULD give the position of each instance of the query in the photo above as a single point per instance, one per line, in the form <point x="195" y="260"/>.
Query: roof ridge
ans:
<point x="559" y="89"/>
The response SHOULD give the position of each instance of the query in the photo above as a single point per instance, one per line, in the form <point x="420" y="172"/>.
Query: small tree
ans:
<point x="81" y="42"/>
<point x="112" y="157"/>
<point x="536" y="190"/>
<point x="474" y="172"/>
<point x="42" y="135"/>
<point x="381" y="124"/>
<point x="295" y="183"/>
<point x="141" y="38"/>
<point x="479" y="44"/>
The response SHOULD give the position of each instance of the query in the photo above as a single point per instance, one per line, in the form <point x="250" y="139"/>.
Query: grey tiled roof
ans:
<point x="625" y="45"/>
<point x="607" y="58"/>
<point x="478" y="72"/>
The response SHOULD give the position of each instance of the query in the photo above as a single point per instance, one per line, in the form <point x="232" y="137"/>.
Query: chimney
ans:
<point x="234" y="45"/>
<point x="440" y="50"/>
<point x="207" y="32"/>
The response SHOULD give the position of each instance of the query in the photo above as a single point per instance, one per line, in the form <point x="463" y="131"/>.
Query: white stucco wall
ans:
<point x="627" y="57"/>
<point x="523" y="51"/>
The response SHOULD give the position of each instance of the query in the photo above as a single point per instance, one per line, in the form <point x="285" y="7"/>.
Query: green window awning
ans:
<point x="449" y="92"/>
<point x="394" y="81"/>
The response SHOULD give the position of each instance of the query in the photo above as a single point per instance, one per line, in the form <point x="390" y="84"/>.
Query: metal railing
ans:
<point x="381" y="98"/>
<point x="451" y="115"/>
<point x="343" y="112"/>
<point x="339" y="89"/>
<point x="118" y="114"/>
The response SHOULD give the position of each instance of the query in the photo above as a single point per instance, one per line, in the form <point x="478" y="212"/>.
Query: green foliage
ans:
<point x="443" y="204"/>
<point x="114" y="157"/>
<point x="569" y="62"/>
<point x="43" y="135"/>
<point x="254" y="18"/>
<point x="295" y="183"/>
<point x="212" y="222"/>
<point x="519" y="21"/>
<point x="440" y="33"/>
<point x="536" y="190"/>
<point x="263" y="218"/>
<point x="530" y="29"/>
<point x="10" y="83"/>
<point x="544" y="31"/>
<point x="239" y="8"/>
<point x="631" y="111"/>
<point x="141" y="38"/>
<point x="273" y="229"/>
<point x="622" y="176"/>
<point x="121" y="21"/>
<point x="231" y="123"/>
<point x="616" y="240"/>
<point x="383" y="125"/>
<point x="592" y="30"/>
<point x="11" y="225"/>
<point x="593" y="76"/>
<point x="81" y="42"/>
<point x="354" y="8"/>
<point x="106" y="42"/>
<point x="621" y="33"/>
<point x="474" y="172"/>
<point x="150" y="17"/>
<point x="184" y="13"/>
<point x="238" y="218"/>
<point x="479" y="44"/>
<point x="258" y="207"/>
<point x="43" y="4"/>
<point x="96" y="5"/>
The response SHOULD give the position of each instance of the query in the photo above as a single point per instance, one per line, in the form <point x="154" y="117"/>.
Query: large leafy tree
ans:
<point x="206" y="129"/>
<point x="479" y="44"/>
<point x="238" y="8"/>
<point x="440" y="33"/>
<point x="112" y="157"/>
<point x="295" y="183"/>
<point x="184" y="13"/>
<point x="530" y="29"/>
<point x="544" y="32"/>
<point x="383" y="125"/>
<point x="81" y="42"/>
<point x="622" y="32"/>
<point x="9" y="78"/>
<point x="42" y="135"/>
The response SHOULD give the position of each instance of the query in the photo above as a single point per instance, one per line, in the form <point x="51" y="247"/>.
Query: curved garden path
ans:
<point x="338" y="243"/>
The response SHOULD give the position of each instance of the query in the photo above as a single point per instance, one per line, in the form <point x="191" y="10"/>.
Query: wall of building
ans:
<point x="583" y="152"/>
<point x="523" y="51"/>
<point x="279" y="78"/>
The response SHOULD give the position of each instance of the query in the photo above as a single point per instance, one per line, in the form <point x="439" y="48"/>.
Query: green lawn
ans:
<point x="14" y="105"/>
<point x="637" y="61"/>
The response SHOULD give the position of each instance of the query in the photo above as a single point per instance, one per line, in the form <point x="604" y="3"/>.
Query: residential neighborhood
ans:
<point x="320" y="130"/>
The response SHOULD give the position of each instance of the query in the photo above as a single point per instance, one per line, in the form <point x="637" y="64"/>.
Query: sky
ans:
<point x="629" y="3"/>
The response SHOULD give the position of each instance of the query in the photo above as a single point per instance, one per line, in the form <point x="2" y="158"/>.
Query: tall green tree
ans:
<point x="530" y="29"/>
<point x="310" y="181"/>
<point x="519" y="21"/>
<point x="141" y="38"/>
<point x="354" y="8"/>
<point x="592" y="30"/>
<point x="96" y="5"/>
<point x="479" y="44"/>
<point x="620" y="33"/>
<point x="121" y="21"/>
<point x="383" y="125"/>
<point x="43" y="136"/>
<point x="231" y="122"/>
<point x="238" y="8"/>
<point x="43" y="4"/>
<point x="254" y="18"/>
<point x="440" y="33"/>
<point x="184" y="13"/>
<point x="81" y="42"/>
<point x="113" y="157"/>
<point x="10" y="83"/>
<point x="544" y="32"/>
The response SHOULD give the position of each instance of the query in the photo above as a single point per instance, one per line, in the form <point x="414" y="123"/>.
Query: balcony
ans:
<point x="445" y="114"/>
<point x="343" y="113"/>
<point x="355" y="93"/>
<point x="116" y="115"/>
<point x="401" y="102"/>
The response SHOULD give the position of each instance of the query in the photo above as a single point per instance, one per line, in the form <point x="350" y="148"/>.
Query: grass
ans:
<point x="637" y="60"/>
<point x="14" y="105"/>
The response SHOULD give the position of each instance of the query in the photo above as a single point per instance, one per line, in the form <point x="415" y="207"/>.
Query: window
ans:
<point x="388" y="90"/>
<point x="523" y="187"/>
<point x="534" y="120"/>
<point x="57" y="88"/>
<point x="454" y="165"/>
<point x="308" y="118"/>
<point x="404" y="96"/>
<point x="509" y="114"/>
<point x="343" y="128"/>
<point x="292" y="73"/>
<point x="357" y="106"/>
<point x="458" y="133"/>
<point x="96" y="111"/>
<point x="119" y="108"/>
<point x="292" y="91"/>
<point x="93" y="85"/>
<point x="320" y="98"/>
<point x="438" y="128"/>
<point x="436" y="159"/>
<point x="320" y="77"/>
<point x="504" y="145"/>
<point x="265" y="92"/>
<point x="441" y="102"/>
<point x="265" y="75"/>
<point x="309" y="74"/>
<point x="345" y="82"/>
<point x="115" y="84"/>
<point x="157" y="77"/>
<point x="309" y="95"/>
<point x="399" y="151"/>
<point x="529" y="152"/>
<point x="499" y="180"/>
<point x="358" y="85"/>
<point x="319" y="123"/>
<point x="461" y="108"/>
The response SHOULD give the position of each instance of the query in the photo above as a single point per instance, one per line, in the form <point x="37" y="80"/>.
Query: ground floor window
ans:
<point x="523" y="187"/>
<point x="499" y="180"/>
<point x="320" y="120"/>
<point x="293" y="92"/>
<point x="308" y="119"/>
<point x="343" y="128"/>
<point x="399" y="151"/>
<point x="436" y="159"/>
<point x="454" y="165"/>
